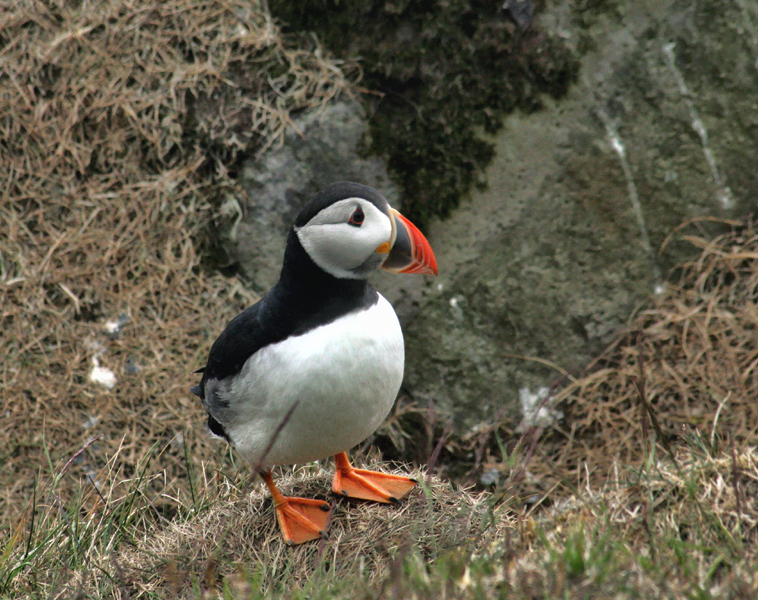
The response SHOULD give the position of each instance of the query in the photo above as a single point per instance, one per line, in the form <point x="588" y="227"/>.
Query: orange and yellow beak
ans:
<point x="409" y="251"/>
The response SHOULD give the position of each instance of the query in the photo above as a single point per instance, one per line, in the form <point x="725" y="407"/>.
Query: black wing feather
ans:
<point x="217" y="428"/>
<point x="242" y="338"/>
<point x="239" y="341"/>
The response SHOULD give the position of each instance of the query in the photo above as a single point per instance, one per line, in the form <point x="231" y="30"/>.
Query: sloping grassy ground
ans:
<point x="117" y="129"/>
<point x="662" y="529"/>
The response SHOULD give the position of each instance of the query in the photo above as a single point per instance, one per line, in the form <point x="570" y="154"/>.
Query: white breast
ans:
<point x="345" y="375"/>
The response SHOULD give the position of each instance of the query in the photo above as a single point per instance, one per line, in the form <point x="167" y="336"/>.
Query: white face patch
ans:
<point x="344" y="250"/>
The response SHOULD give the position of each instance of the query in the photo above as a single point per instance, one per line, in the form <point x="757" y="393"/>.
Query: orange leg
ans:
<point x="368" y="485"/>
<point x="300" y="519"/>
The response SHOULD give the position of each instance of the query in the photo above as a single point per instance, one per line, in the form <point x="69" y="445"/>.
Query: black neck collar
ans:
<point x="306" y="296"/>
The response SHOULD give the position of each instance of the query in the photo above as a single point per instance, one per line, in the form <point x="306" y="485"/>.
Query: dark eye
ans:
<point x="356" y="218"/>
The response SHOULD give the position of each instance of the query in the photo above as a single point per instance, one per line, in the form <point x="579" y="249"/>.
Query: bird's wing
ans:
<point x="242" y="338"/>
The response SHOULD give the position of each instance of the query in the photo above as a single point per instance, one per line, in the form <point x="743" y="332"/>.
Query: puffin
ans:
<point x="314" y="367"/>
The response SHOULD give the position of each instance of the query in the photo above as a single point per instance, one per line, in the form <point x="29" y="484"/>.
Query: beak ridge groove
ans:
<point x="411" y="252"/>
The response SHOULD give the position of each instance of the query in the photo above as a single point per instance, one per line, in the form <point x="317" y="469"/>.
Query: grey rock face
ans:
<point x="550" y="260"/>
<point x="323" y="147"/>
<point x="546" y="264"/>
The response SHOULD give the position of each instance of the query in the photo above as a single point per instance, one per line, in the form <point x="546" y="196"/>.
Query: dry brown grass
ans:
<point x="115" y="128"/>
<point x="695" y="349"/>
<point x="237" y="538"/>
<point x="652" y="532"/>
<point x="114" y="119"/>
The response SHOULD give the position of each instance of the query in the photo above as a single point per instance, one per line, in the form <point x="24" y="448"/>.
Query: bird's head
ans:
<point x="349" y="230"/>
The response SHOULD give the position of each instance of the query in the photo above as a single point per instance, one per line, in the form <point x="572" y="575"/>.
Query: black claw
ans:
<point x="324" y="535"/>
<point x="394" y="500"/>
<point x="291" y="544"/>
<point x="325" y="507"/>
<point x="413" y="480"/>
<point x="344" y="493"/>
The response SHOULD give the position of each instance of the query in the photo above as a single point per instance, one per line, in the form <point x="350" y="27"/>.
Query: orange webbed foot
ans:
<point x="368" y="485"/>
<point x="300" y="519"/>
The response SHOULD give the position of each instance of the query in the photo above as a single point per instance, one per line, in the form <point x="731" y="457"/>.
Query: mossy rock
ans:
<point x="445" y="72"/>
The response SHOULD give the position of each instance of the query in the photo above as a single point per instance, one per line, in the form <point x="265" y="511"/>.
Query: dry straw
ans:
<point x="695" y="353"/>
<point x="237" y="539"/>
<point x="666" y="518"/>
<point x="117" y="127"/>
<point x="116" y="121"/>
